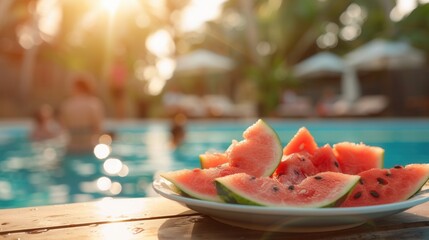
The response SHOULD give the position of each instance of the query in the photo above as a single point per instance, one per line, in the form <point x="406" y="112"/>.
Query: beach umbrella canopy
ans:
<point x="321" y="64"/>
<point x="203" y="61"/>
<point x="382" y="54"/>
<point x="328" y="64"/>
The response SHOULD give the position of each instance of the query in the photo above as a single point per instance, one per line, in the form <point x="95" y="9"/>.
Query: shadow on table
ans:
<point x="399" y="226"/>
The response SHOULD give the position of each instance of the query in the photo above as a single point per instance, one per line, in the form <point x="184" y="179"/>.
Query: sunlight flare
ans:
<point x="110" y="5"/>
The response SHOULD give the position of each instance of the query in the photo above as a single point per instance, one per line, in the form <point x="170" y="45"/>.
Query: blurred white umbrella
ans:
<point x="383" y="54"/>
<point x="320" y="64"/>
<point x="327" y="64"/>
<point x="203" y="61"/>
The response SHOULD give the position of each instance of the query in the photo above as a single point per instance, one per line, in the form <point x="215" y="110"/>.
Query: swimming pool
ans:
<point x="38" y="174"/>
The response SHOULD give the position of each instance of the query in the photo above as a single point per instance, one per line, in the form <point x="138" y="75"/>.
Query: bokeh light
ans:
<point x="112" y="166"/>
<point x="105" y="139"/>
<point x="116" y="188"/>
<point x="199" y="12"/>
<point x="102" y="151"/>
<point x="160" y="43"/>
<point x="104" y="183"/>
<point x="50" y="15"/>
<point x="124" y="171"/>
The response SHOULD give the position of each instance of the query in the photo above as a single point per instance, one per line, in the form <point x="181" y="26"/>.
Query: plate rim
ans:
<point x="162" y="187"/>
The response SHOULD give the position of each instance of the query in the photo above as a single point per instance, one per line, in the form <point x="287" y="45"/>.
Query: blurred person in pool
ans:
<point x="45" y="125"/>
<point x="177" y="129"/>
<point x="82" y="115"/>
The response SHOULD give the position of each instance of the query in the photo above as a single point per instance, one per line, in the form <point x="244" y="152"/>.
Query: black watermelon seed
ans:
<point x="381" y="181"/>
<point x="336" y="164"/>
<point x="252" y="178"/>
<point x="291" y="187"/>
<point x="357" y="195"/>
<point x="296" y="172"/>
<point x="302" y="159"/>
<point x="318" y="177"/>
<point x="374" y="194"/>
<point x="275" y="189"/>
<point x="398" y="166"/>
<point x="361" y="181"/>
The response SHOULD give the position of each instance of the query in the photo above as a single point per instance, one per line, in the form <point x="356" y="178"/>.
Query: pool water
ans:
<point x="34" y="174"/>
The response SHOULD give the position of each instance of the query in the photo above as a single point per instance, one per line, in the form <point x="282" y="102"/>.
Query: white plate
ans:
<point x="287" y="219"/>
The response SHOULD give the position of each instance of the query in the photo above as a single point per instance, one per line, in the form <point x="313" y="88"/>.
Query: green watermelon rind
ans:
<point x="202" y="161"/>
<point x="419" y="187"/>
<point x="279" y="151"/>
<point x="228" y="195"/>
<point x="185" y="191"/>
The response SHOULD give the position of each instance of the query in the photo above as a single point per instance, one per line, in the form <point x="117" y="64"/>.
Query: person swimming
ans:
<point x="177" y="129"/>
<point x="82" y="115"/>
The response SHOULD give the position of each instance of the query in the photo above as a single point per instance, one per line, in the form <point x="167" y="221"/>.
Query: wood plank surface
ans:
<point x="201" y="227"/>
<point x="89" y="213"/>
<point x="160" y="218"/>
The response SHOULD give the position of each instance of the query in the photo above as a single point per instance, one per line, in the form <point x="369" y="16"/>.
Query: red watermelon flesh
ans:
<point x="294" y="168"/>
<point x="302" y="141"/>
<point x="322" y="190"/>
<point x="209" y="160"/>
<point x="324" y="159"/>
<point x="381" y="186"/>
<point x="355" y="158"/>
<point x="258" y="154"/>
<point x="345" y="157"/>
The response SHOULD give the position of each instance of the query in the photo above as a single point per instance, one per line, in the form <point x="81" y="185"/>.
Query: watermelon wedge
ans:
<point x="302" y="141"/>
<point x="324" y="159"/>
<point x="381" y="186"/>
<point x="195" y="183"/>
<point x="322" y="190"/>
<point x="258" y="154"/>
<point x="209" y="160"/>
<point x="355" y="158"/>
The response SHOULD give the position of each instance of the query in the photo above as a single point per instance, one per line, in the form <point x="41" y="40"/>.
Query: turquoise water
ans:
<point x="41" y="174"/>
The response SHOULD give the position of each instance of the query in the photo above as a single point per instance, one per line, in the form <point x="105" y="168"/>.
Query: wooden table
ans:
<point x="160" y="218"/>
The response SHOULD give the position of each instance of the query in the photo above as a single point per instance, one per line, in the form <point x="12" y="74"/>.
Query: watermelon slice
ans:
<point x="322" y="190"/>
<point x="324" y="159"/>
<point x="355" y="158"/>
<point x="258" y="154"/>
<point x="381" y="186"/>
<point x="194" y="183"/>
<point x="209" y="160"/>
<point x="302" y="141"/>
<point x="294" y="168"/>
